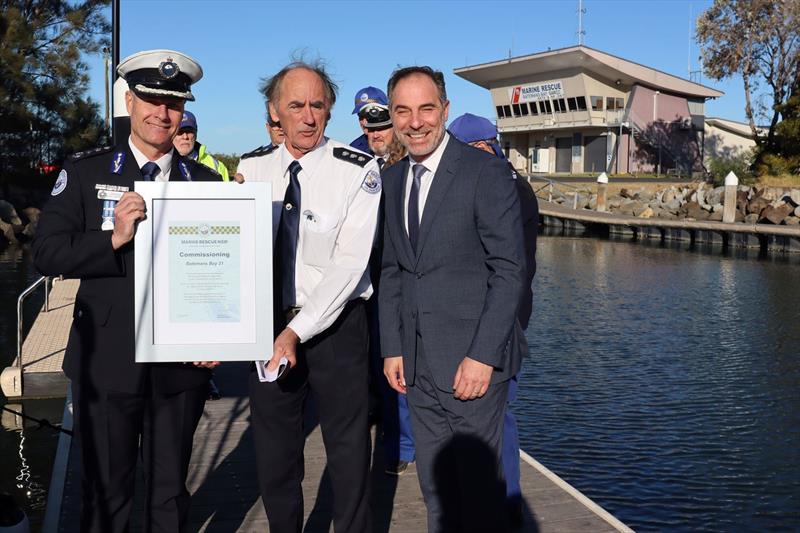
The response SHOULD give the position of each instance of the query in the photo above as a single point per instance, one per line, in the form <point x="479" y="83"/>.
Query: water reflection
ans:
<point x="26" y="452"/>
<point x="663" y="383"/>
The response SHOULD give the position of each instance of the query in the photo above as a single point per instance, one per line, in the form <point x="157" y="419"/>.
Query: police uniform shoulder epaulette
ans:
<point x="77" y="156"/>
<point x="261" y="150"/>
<point x="351" y="156"/>
<point x="195" y="165"/>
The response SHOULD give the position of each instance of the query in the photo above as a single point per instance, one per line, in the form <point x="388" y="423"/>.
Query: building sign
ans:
<point x="537" y="93"/>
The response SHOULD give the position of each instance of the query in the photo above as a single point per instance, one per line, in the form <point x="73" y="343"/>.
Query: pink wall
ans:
<point x="679" y="146"/>
<point x="669" y="108"/>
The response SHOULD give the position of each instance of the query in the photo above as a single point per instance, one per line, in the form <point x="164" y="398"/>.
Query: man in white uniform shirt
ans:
<point x="325" y="205"/>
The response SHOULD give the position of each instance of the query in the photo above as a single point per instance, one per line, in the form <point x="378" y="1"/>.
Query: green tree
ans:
<point x="759" y="40"/>
<point x="231" y="161"/>
<point x="44" y="111"/>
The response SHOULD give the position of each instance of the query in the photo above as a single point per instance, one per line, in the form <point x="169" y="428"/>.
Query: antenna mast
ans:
<point x="581" y="31"/>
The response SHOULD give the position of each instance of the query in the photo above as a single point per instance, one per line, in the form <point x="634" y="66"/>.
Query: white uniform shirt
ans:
<point x="431" y="163"/>
<point x="164" y="162"/>
<point x="338" y="217"/>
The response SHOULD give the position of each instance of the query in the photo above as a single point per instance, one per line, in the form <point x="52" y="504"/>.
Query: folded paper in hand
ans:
<point x="266" y="376"/>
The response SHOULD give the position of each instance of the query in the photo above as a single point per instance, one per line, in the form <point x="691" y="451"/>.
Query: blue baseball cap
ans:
<point x="188" y="121"/>
<point x="469" y="128"/>
<point x="369" y="95"/>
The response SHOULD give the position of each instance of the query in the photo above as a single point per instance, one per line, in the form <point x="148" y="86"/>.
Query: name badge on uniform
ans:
<point x="110" y="194"/>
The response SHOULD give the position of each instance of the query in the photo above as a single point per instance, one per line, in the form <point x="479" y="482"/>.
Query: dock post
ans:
<point x="602" y="191"/>
<point x="550" y="192"/>
<point x="729" y="208"/>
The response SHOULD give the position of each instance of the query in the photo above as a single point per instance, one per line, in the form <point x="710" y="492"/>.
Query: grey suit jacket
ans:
<point x="461" y="290"/>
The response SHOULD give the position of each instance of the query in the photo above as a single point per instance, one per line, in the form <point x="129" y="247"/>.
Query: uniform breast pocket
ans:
<point x="319" y="237"/>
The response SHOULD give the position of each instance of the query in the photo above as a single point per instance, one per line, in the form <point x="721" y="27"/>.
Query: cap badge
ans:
<point x="168" y="69"/>
<point x="364" y="97"/>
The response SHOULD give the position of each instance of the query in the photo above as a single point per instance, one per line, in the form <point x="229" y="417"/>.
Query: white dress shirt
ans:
<point x="338" y="219"/>
<point x="164" y="162"/>
<point x="431" y="163"/>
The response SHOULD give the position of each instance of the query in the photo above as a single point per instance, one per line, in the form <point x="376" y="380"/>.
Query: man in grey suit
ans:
<point x="451" y="281"/>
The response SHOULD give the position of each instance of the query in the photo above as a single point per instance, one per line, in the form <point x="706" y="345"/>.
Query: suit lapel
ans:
<point x="442" y="180"/>
<point x="400" y="202"/>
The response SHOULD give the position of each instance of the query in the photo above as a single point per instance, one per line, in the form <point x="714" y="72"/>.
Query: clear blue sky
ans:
<point x="240" y="42"/>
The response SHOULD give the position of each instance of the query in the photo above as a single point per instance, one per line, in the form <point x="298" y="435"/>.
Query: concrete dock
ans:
<point x="766" y="238"/>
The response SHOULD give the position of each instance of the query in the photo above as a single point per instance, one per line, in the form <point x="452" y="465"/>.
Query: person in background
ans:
<point x="124" y="411"/>
<point x="250" y="160"/>
<point x="480" y="133"/>
<point x="371" y="106"/>
<point x="188" y="146"/>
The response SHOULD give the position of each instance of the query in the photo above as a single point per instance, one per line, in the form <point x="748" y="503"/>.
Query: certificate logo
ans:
<point x="204" y="229"/>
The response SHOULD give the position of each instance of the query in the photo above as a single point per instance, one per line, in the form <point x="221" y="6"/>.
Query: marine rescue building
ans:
<point x="579" y="110"/>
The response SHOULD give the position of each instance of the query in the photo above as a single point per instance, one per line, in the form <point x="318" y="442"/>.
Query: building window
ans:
<point x="542" y="108"/>
<point x="597" y="103"/>
<point x="581" y="101"/>
<point x="615" y="103"/>
<point x="515" y="107"/>
<point x="524" y="108"/>
<point x="507" y="110"/>
<point x="545" y="107"/>
<point x="573" y="105"/>
<point x="559" y="105"/>
<point x="533" y="109"/>
<point x="500" y="113"/>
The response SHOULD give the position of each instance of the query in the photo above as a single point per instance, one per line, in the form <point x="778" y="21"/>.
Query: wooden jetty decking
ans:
<point x="226" y="498"/>
<point x="765" y="237"/>
<point x="39" y="375"/>
<point x="222" y="478"/>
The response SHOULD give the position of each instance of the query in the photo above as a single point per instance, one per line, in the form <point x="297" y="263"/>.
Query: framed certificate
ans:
<point x="204" y="272"/>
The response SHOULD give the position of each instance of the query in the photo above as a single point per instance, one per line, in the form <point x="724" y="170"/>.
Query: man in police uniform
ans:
<point x="372" y="108"/>
<point x="86" y="231"/>
<point x="327" y="197"/>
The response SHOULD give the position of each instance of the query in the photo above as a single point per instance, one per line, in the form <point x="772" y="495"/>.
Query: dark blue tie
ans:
<point x="287" y="236"/>
<point x="149" y="171"/>
<point x="413" y="206"/>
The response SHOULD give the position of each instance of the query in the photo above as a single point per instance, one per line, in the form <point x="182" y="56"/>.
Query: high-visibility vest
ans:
<point x="204" y="158"/>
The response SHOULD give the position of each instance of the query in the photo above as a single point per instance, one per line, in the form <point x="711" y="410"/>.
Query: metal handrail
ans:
<point x="27" y="292"/>
<point x="549" y="185"/>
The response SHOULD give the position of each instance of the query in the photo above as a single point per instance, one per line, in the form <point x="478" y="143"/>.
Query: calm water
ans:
<point x="665" y="384"/>
<point x="26" y="452"/>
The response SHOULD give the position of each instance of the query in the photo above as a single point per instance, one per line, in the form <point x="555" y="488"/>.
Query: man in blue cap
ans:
<point x="186" y="144"/>
<point x="372" y="108"/>
<point x="480" y="133"/>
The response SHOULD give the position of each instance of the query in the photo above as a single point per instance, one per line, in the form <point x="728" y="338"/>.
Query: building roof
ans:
<point x="734" y="126"/>
<point x="488" y="75"/>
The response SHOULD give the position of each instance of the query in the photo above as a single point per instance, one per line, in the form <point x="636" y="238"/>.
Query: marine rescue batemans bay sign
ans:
<point x="536" y="93"/>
